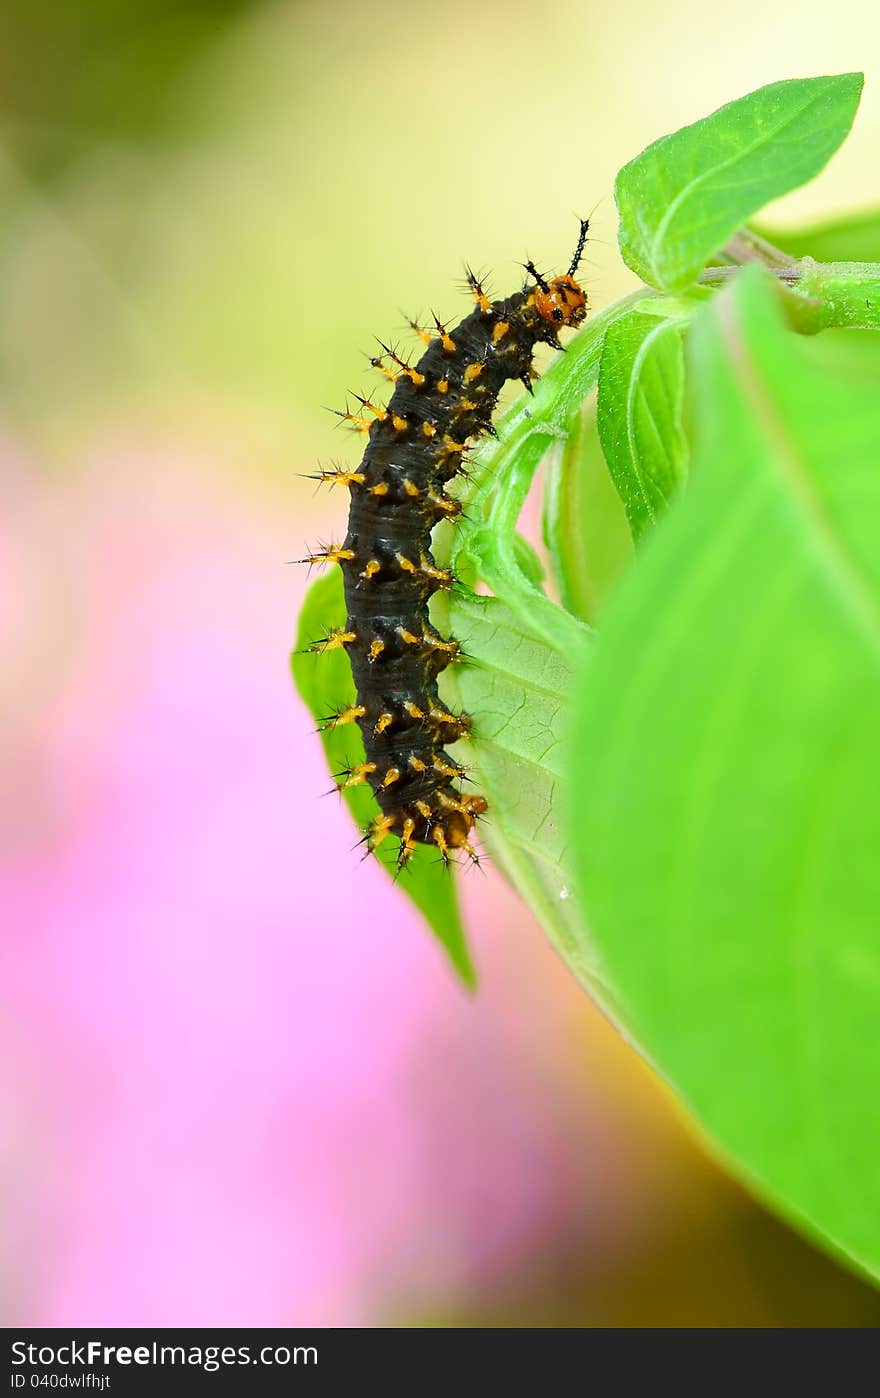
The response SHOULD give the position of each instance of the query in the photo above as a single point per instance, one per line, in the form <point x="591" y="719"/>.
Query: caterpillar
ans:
<point x="416" y="446"/>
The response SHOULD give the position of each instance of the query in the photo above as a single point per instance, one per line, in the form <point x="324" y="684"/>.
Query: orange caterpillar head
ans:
<point x="561" y="301"/>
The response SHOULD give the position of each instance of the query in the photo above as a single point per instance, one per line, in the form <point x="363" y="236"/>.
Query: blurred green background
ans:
<point x="207" y="210"/>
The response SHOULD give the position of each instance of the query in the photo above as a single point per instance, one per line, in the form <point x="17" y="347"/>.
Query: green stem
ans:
<point x="842" y="294"/>
<point x="748" y="246"/>
<point x="825" y="295"/>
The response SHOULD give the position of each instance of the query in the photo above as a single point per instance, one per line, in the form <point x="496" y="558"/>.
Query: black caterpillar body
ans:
<point x="415" y="448"/>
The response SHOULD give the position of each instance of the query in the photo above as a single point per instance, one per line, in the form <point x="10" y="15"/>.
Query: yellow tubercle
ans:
<point x="332" y="554"/>
<point x="358" y="775"/>
<point x="339" y="476"/>
<point x="429" y="569"/>
<point x="334" y="640"/>
<point x="349" y="715"/>
<point x="378" y="831"/>
<point x="424" y="335"/>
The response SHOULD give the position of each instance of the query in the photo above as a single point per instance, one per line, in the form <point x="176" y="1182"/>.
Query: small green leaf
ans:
<point x="325" y="684"/>
<point x="527" y="560"/>
<point x="641" y="395"/>
<point x="683" y="197"/>
<point x="584" y="524"/>
<point x="727" y="769"/>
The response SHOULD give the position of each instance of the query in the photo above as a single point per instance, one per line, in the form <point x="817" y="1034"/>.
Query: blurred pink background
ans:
<point x="238" y="1083"/>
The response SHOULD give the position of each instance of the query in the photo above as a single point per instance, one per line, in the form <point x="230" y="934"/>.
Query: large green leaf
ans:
<point x="641" y="398"/>
<point x="325" y="683"/>
<point x="683" y="197"/>
<point x="726" y="773"/>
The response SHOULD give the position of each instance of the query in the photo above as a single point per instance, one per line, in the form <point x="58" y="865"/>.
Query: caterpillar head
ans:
<point x="560" y="301"/>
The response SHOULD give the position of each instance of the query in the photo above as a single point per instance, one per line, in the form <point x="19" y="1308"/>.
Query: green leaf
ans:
<point x="727" y="769"/>
<point x="325" y="683"/>
<point x="683" y="197"/>
<point x="584" y="524"/>
<point x="853" y="352"/>
<point x="641" y="395"/>
<point x="527" y="560"/>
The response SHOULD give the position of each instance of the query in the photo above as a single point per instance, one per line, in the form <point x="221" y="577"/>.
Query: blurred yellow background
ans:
<point x="240" y="1085"/>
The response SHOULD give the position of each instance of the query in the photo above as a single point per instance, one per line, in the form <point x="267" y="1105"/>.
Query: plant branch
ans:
<point x="748" y="246"/>
<point x="826" y="295"/>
